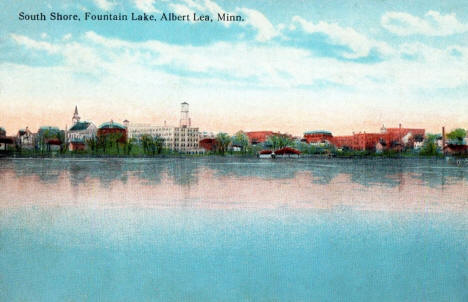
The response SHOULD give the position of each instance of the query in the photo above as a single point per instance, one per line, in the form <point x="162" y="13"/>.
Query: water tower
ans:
<point x="184" y="115"/>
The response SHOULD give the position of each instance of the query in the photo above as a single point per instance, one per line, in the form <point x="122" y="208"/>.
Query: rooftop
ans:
<point x="318" y="132"/>
<point x="80" y="126"/>
<point x="110" y="125"/>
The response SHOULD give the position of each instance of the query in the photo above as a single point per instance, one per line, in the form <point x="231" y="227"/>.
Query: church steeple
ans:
<point x="76" y="117"/>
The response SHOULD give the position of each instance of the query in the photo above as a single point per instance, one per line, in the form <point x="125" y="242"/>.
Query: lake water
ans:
<point x="227" y="229"/>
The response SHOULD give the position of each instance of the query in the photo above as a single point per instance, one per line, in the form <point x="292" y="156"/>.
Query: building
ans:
<point x="387" y="139"/>
<point x="287" y="152"/>
<point x="208" y="144"/>
<point x="49" y="138"/>
<point x="80" y="132"/>
<point x="318" y="137"/>
<point x="110" y="128"/>
<point x="26" y="139"/>
<point x="258" y="137"/>
<point x="207" y="134"/>
<point x="137" y="130"/>
<point x="5" y="140"/>
<point x="183" y="138"/>
<point x="76" y="118"/>
<point x="406" y="137"/>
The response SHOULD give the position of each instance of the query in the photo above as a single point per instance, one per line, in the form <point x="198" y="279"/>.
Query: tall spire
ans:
<point x="76" y="117"/>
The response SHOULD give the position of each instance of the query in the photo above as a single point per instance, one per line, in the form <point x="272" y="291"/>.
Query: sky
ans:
<point x="290" y="66"/>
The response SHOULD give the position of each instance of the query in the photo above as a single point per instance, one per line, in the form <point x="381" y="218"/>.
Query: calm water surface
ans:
<point x="223" y="229"/>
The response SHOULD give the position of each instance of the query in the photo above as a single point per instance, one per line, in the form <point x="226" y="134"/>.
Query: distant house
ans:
<point x="208" y="144"/>
<point x="381" y="146"/>
<point x="456" y="147"/>
<point x="109" y="128"/>
<point x="236" y="148"/>
<point x="265" y="154"/>
<point x="258" y="137"/>
<point x="318" y="137"/>
<point x="79" y="133"/>
<point x="26" y="139"/>
<point x="439" y="141"/>
<point x="49" y="138"/>
<point x="287" y="152"/>
<point x="395" y="139"/>
<point x="418" y="142"/>
<point x="5" y="140"/>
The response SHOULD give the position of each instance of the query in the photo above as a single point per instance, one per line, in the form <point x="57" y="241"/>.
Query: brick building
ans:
<point x="318" y="136"/>
<point x="112" y="127"/>
<point x="388" y="138"/>
<point x="258" y="137"/>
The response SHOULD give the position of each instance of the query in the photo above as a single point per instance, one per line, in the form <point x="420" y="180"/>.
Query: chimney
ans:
<point x="399" y="133"/>
<point x="443" y="139"/>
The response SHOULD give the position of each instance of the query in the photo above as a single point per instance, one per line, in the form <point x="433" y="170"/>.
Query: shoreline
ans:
<point x="237" y="156"/>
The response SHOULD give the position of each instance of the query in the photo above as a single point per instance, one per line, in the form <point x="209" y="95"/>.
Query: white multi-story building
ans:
<point x="182" y="138"/>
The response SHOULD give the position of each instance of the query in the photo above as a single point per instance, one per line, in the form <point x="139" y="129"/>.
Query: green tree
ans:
<point x="458" y="134"/>
<point x="129" y="146"/>
<point x="279" y="141"/>
<point x="43" y="140"/>
<point x="222" y="142"/>
<point x="114" y="139"/>
<point x="429" y="146"/>
<point x="146" y="142"/>
<point x="242" y="140"/>
<point x="46" y="137"/>
<point x="102" y="143"/>
<point x="158" y="141"/>
<point x="63" y="144"/>
<point x="91" y="143"/>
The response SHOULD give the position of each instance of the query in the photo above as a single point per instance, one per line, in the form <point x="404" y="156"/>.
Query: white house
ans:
<point x="26" y="139"/>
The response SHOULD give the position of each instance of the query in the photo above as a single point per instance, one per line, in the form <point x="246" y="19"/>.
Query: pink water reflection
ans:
<point x="210" y="189"/>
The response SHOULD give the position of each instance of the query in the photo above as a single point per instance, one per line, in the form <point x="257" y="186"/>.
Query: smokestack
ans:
<point x="399" y="134"/>
<point x="443" y="139"/>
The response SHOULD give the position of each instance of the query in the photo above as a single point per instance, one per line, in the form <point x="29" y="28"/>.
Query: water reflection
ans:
<point x="186" y="171"/>
<point x="223" y="180"/>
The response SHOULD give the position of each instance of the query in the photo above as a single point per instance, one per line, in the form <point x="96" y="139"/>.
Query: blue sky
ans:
<point x="341" y="65"/>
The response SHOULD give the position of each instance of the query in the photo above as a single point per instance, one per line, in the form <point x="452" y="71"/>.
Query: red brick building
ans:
<point x="257" y="137"/>
<point x="391" y="138"/>
<point x="209" y="144"/>
<point x="318" y="136"/>
<point x="112" y="127"/>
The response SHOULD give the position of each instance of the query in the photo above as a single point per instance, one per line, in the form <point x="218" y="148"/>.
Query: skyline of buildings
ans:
<point x="187" y="139"/>
<point x="150" y="123"/>
<point x="183" y="138"/>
